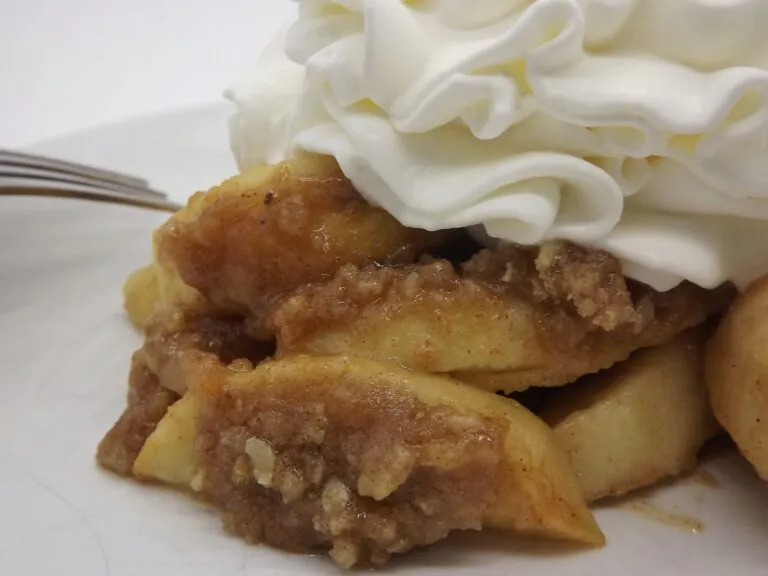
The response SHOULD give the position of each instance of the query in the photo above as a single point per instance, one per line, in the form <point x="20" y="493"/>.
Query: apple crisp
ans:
<point x="326" y="377"/>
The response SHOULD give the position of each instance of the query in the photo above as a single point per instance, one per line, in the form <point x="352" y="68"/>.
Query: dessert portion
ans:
<point x="362" y="404"/>
<point x="442" y="212"/>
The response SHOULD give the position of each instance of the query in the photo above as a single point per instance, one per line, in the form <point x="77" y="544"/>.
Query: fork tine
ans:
<point x="29" y="174"/>
<point x="17" y="173"/>
<point x="63" y="190"/>
<point x="24" y="159"/>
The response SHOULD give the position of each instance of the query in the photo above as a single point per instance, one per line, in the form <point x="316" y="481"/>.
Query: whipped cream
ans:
<point x="636" y="126"/>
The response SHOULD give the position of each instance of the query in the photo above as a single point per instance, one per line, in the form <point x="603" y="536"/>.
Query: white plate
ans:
<point x="64" y="352"/>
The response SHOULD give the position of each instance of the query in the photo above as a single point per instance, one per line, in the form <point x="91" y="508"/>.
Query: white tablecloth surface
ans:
<point x="69" y="65"/>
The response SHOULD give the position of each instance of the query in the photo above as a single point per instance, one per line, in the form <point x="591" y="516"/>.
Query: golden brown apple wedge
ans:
<point x="257" y="236"/>
<point x="362" y="457"/>
<point x="737" y="374"/>
<point x="500" y="330"/>
<point x="643" y="420"/>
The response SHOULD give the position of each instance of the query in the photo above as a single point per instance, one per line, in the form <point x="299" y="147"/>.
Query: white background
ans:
<point x="69" y="65"/>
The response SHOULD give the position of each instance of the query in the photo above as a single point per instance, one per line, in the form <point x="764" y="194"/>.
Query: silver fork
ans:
<point x="24" y="174"/>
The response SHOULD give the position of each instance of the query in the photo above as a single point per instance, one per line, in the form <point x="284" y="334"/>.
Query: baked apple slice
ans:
<point x="365" y="458"/>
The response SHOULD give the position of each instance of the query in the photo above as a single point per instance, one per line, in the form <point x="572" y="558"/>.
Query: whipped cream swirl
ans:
<point x="636" y="126"/>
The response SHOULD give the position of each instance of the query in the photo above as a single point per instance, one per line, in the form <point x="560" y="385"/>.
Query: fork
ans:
<point x="24" y="174"/>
